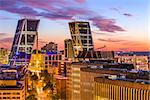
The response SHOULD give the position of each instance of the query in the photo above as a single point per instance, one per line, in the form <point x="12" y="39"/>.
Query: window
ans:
<point x="13" y="97"/>
<point x="83" y="25"/>
<point x="32" y="25"/>
<point x="21" y="49"/>
<point x="18" y="93"/>
<point x="4" y="93"/>
<point x="30" y="39"/>
<point x="84" y="31"/>
<point x="19" y="26"/>
<point x="22" y="40"/>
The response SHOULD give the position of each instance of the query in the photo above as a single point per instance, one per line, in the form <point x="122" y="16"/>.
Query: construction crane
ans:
<point x="101" y="47"/>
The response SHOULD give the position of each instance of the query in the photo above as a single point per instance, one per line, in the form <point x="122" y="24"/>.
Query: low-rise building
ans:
<point x="50" y="47"/>
<point x="139" y="59"/>
<point x="12" y="83"/>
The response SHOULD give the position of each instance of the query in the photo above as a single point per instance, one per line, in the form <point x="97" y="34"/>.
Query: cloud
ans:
<point x="80" y="1"/>
<point x="42" y="41"/>
<point x="110" y="40"/>
<point x="108" y="25"/>
<point x="6" y="42"/>
<point x="7" y="18"/>
<point x="3" y="34"/>
<point x="115" y="9"/>
<point x="132" y="43"/>
<point x="59" y="10"/>
<point x="127" y="14"/>
<point x="7" y="39"/>
<point x="101" y="33"/>
<point x="123" y="49"/>
<point x="118" y="10"/>
<point x="49" y="11"/>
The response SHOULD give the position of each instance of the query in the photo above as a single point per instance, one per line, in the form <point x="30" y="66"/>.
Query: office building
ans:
<point x="81" y="77"/>
<point x="12" y="83"/>
<point x="107" y="88"/>
<point x="95" y="55"/>
<point x="50" y="47"/>
<point x="68" y="49"/>
<point x="4" y="56"/>
<point x="54" y="61"/>
<point x="73" y="82"/>
<point x="81" y="36"/>
<point x="24" y="39"/>
<point x="50" y="61"/>
<point x="139" y="59"/>
<point x="61" y="83"/>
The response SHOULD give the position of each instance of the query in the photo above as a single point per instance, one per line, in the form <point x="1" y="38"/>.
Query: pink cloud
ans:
<point x="108" y="25"/>
<point x="6" y="42"/>
<point x="80" y="1"/>
<point x="58" y="10"/>
<point x="110" y="40"/>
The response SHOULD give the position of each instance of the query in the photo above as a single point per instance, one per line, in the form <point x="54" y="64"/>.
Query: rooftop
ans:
<point x="96" y="54"/>
<point x="125" y="82"/>
<point x="101" y="69"/>
<point x="133" y="53"/>
<point x="19" y="86"/>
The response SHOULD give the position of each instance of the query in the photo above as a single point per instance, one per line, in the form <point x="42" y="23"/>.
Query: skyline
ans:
<point x="120" y="25"/>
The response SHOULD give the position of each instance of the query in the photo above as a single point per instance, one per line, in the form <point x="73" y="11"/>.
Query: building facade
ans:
<point x="140" y="59"/>
<point x="140" y="62"/>
<point x="11" y="90"/>
<point x="80" y="83"/>
<point x="81" y="37"/>
<point x="54" y="61"/>
<point x="50" y="61"/>
<point x="4" y="55"/>
<point x="108" y="89"/>
<point x="50" y="47"/>
<point x="68" y="49"/>
<point x="73" y="82"/>
<point x="12" y="83"/>
<point x="61" y="83"/>
<point x="24" y="39"/>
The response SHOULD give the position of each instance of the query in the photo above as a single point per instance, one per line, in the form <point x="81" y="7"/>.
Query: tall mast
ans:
<point x="37" y="43"/>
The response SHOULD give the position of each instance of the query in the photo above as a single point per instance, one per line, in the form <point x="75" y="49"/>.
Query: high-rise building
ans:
<point x="73" y="82"/>
<point x="50" y="47"/>
<point x="81" y="77"/>
<point x="81" y="37"/>
<point x="61" y="86"/>
<point x="95" y="55"/>
<point x="68" y="50"/>
<point x="4" y="56"/>
<point x="24" y="39"/>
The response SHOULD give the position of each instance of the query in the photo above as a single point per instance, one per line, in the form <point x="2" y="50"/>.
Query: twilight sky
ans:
<point x="117" y="24"/>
